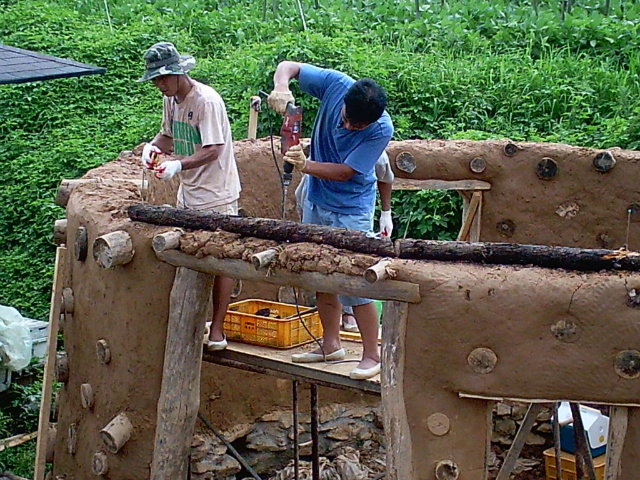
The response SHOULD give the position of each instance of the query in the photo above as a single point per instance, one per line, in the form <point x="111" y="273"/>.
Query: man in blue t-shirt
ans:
<point x="350" y="132"/>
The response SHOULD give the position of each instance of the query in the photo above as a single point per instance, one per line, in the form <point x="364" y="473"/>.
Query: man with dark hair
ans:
<point x="350" y="133"/>
<point x="196" y="131"/>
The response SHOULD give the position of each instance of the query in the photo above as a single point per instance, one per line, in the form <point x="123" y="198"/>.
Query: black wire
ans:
<point x="275" y="158"/>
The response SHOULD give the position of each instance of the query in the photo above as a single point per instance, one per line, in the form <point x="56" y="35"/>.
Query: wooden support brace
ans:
<point x="411" y="184"/>
<point x="60" y="231"/>
<point x="264" y="259"/>
<point x="470" y="216"/>
<point x="116" y="433"/>
<point x="49" y="363"/>
<point x="380" y="271"/>
<point x="115" y="248"/>
<point x="618" y="423"/>
<point x="167" y="240"/>
<point x="519" y="441"/>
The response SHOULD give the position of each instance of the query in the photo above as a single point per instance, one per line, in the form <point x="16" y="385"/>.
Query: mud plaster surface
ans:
<point x="509" y="309"/>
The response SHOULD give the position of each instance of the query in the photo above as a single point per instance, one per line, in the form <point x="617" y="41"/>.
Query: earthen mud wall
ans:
<point x="539" y="333"/>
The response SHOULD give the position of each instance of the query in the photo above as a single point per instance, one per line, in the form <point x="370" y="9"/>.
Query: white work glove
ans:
<point x="295" y="156"/>
<point x="150" y="155"/>
<point x="278" y="101"/>
<point x="386" y="224"/>
<point x="168" y="169"/>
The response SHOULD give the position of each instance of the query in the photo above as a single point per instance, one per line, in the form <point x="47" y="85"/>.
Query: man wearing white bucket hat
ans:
<point x="197" y="134"/>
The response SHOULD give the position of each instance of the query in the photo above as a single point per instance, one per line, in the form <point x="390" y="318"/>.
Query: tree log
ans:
<point x="116" y="433"/>
<point x="266" y="228"/>
<point x="67" y="300"/>
<point x="515" y="254"/>
<point x="103" y="351"/>
<point x="111" y="249"/>
<point x="380" y="271"/>
<point x="60" y="231"/>
<point x="263" y="259"/>
<point x="167" y="240"/>
<point x="67" y="186"/>
<point x="62" y="367"/>
<point x="86" y="395"/>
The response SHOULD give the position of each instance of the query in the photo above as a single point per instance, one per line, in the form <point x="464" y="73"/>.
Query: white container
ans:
<point x="596" y="425"/>
<point x="39" y="333"/>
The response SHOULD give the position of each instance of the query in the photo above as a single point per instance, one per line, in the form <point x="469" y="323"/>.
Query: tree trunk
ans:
<point x="515" y="254"/>
<point x="266" y="228"/>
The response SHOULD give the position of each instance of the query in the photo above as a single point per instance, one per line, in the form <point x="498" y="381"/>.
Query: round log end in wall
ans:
<point x="567" y="332"/>
<point x="237" y="288"/>
<point x="547" y="169"/>
<point x="100" y="463"/>
<point x="627" y="364"/>
<point x="62" y="367"/>
<point x="478" y="165"/>
<point x="72" y="439"/>
<point x="103" y="351"/>
<point x="86" y="395"/>
<point x="167" y="241"/>
<point x="60" y="231"/>
<point x="81" y="245"/>
<point x="116" y="433"/>
<point x="482" y="360"/>
<point x="405" y="162"/>
<point x="115" y="248"/>
<point x="67" y="300"/>
<point x="447" y="470"/>
<point x="510" y="149"/>
<point x="61" y="322"/>
<point x="438" y="424"/>
<point x="506" y="228"/>
<point x="604" y="162"/>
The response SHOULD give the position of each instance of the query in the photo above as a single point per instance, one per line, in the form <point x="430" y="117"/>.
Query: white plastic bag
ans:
<point x="15" y="339"/>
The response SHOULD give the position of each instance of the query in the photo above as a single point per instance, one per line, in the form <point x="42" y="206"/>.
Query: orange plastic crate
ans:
<point x="568" y="463"/>
<point x="242" y="325"/>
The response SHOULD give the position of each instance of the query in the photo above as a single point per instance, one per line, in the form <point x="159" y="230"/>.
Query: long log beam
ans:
<point x="314" y="281"/>
<point x="266" y="228"/>
<point x="515" y="254"/>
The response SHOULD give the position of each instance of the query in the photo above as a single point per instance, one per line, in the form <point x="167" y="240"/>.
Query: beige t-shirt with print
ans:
<point x="201" y="120"/>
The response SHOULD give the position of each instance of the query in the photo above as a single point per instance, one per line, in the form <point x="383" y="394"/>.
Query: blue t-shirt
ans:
<point x="330" y="142"/>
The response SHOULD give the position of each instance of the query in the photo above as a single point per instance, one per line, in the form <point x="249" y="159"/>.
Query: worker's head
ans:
<point x="364" y="104"/>
<point x="163" y="59"/>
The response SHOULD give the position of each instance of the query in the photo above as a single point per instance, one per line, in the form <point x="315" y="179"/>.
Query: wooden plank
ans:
<point x="470" y="216"/>
<point x="49" y="363"/>
<point x="540" y="400"/>
<point x="396" y="424"/>
<point x="618" y="422"/>
<point x="179" y="399"/>
<point x="16" y="440"/>
<point x="313" y="281"/>
<point x="432" y="184"/>
<point x="269" y="361"/>
<point x="519" y="441"/>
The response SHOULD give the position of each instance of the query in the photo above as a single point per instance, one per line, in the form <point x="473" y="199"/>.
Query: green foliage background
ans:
<point x="527" y="70"/>
<point x="457" y="70"/>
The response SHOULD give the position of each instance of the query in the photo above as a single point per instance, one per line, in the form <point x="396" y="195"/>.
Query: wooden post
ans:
<point x="49" y="362"/>
<point x="111" y="249"/>
<point x="618" y="422"/>
<point x="469" y="216"/>
<point x="396" y="426"/>
<point x="116" y="433"/>
<point x="179" y="399"/>
<point x="67" y="186"/>
<point x="254" y="109"/>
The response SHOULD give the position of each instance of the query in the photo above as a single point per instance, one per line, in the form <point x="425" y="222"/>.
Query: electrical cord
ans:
<point x="275" y="158"/>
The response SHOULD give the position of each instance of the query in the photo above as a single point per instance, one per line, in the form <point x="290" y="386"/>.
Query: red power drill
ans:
<point x="290" y="136"/>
